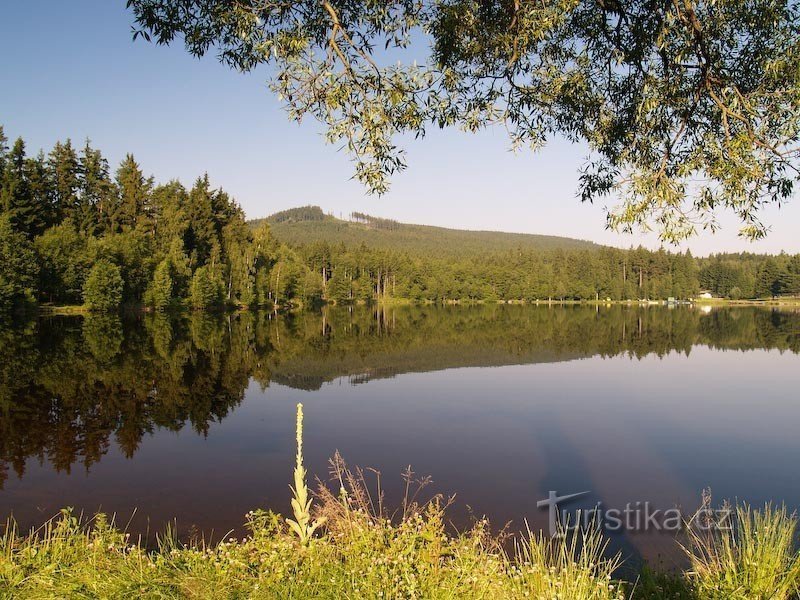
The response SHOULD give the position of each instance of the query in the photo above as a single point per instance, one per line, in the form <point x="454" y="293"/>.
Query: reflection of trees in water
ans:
<point x="69" y="385"/>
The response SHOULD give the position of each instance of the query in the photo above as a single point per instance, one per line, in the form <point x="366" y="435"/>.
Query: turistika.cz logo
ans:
<point x="634" y="516"/>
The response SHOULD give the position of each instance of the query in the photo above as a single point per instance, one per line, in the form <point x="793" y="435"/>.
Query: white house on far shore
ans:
<point x="705" y="295"/>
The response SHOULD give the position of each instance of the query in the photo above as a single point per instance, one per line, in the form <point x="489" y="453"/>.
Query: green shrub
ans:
<point x="103" y="287"/>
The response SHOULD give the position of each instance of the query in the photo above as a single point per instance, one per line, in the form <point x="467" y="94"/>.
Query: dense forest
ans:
<point x="73" y="233"/>
<point x="368" y="257"/>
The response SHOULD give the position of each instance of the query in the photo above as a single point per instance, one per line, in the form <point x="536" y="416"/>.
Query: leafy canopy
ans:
<point x="687" y="107"/>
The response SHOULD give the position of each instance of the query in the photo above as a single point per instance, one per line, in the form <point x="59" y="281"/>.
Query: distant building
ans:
<point x="705" y="295"/>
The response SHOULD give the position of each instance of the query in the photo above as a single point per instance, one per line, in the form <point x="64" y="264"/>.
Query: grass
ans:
<point x="756" y="560"/>
<point x="346" y="544"/>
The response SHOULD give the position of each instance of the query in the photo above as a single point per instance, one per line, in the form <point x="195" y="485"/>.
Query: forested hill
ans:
<point x="309" y="224"/>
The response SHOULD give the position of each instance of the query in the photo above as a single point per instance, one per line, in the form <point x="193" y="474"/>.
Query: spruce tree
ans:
<point x="94" y="191"/>
<point x="133" y="200"/>
<point x="27" y="214"/>
<point x="64" y="173"/>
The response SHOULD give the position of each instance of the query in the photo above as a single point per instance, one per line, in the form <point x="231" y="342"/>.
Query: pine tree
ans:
<point x="133" y="201"/>
<point x="27" y="214"/>
<point x="201" y="231"/>
<point x="3" y="157"/>
<point x="767" y="280"/>
<point x="64" y="171"/>
<point x="94" y="191"/>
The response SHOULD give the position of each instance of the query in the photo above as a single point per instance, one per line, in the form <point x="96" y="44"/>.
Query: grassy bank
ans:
<point x="345" y="544"/>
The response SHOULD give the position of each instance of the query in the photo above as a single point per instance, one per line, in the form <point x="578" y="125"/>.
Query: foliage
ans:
<point x="302" y="213"/>
<point x="159" y="294"/>
<point x="103" y="287"/>
<point x="686" y="107"/>
<point x="158" y="235"/>
<point x="206" y="289"/>
<point x="18" y="266"/>
<point x="63" y="255"/>
<point x="27" y="210"/>
<point x="357" y="261"/>
<point x="161" y="236"/>
<point x="296" y="227"/>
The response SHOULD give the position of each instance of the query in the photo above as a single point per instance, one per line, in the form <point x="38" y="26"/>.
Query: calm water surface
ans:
<point x="193" y="417"/>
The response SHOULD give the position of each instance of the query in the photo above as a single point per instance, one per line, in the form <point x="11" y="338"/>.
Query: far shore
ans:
<point x="787" y="302"/>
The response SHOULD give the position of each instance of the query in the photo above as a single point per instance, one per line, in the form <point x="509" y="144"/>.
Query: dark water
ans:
<point x="193" y="417"/>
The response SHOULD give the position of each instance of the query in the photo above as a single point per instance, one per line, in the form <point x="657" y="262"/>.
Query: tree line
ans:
<point x="71" y="232"/>
<point x="747" y="275"/>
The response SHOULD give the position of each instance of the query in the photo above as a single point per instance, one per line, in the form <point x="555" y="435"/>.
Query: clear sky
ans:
<point x="70" y="69"/>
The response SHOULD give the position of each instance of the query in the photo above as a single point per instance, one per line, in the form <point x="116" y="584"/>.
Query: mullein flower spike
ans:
<point x="301" y="500"/>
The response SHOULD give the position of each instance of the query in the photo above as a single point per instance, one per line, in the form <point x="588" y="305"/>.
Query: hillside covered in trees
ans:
<point x="369" y="257"/>
<point x="310" y="224"/>
<point x="74" y="232"/>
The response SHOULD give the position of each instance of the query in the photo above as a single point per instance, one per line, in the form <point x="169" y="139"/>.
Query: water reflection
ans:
<point x="86" y="394"/>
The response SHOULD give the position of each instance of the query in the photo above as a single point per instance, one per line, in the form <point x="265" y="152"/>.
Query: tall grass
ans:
<point x="347" y="544"/>
<point x="753" y="557"/>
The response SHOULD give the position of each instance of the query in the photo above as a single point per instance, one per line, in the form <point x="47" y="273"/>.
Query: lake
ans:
<point x="154" y="417"/>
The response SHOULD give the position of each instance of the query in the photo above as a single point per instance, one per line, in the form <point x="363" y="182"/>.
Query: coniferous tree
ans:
<point x="64" y="173"/>
<point x="3" y="155"/>
<point x="95" y="190"/>
<point x="133" y="202"/>
<point x="201" y="228"/>
<point x="18" y="266"/>
<point x="26" y="213"/>
<point x="768" y="279"/>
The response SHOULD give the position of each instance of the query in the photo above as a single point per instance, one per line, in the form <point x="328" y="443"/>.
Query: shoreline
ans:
<point x="77" y="309"/>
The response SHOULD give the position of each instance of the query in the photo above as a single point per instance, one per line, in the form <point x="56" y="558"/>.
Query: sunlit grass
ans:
<point x="754" y="559"/>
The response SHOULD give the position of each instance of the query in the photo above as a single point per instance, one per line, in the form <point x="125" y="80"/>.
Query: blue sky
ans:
<point x="70" y="69"/>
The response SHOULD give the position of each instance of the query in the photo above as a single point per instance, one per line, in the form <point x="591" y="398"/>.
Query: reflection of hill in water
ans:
<point x="413" y="340"/>
<point x="310" y="374"/>
<point x="69" y="385"/>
